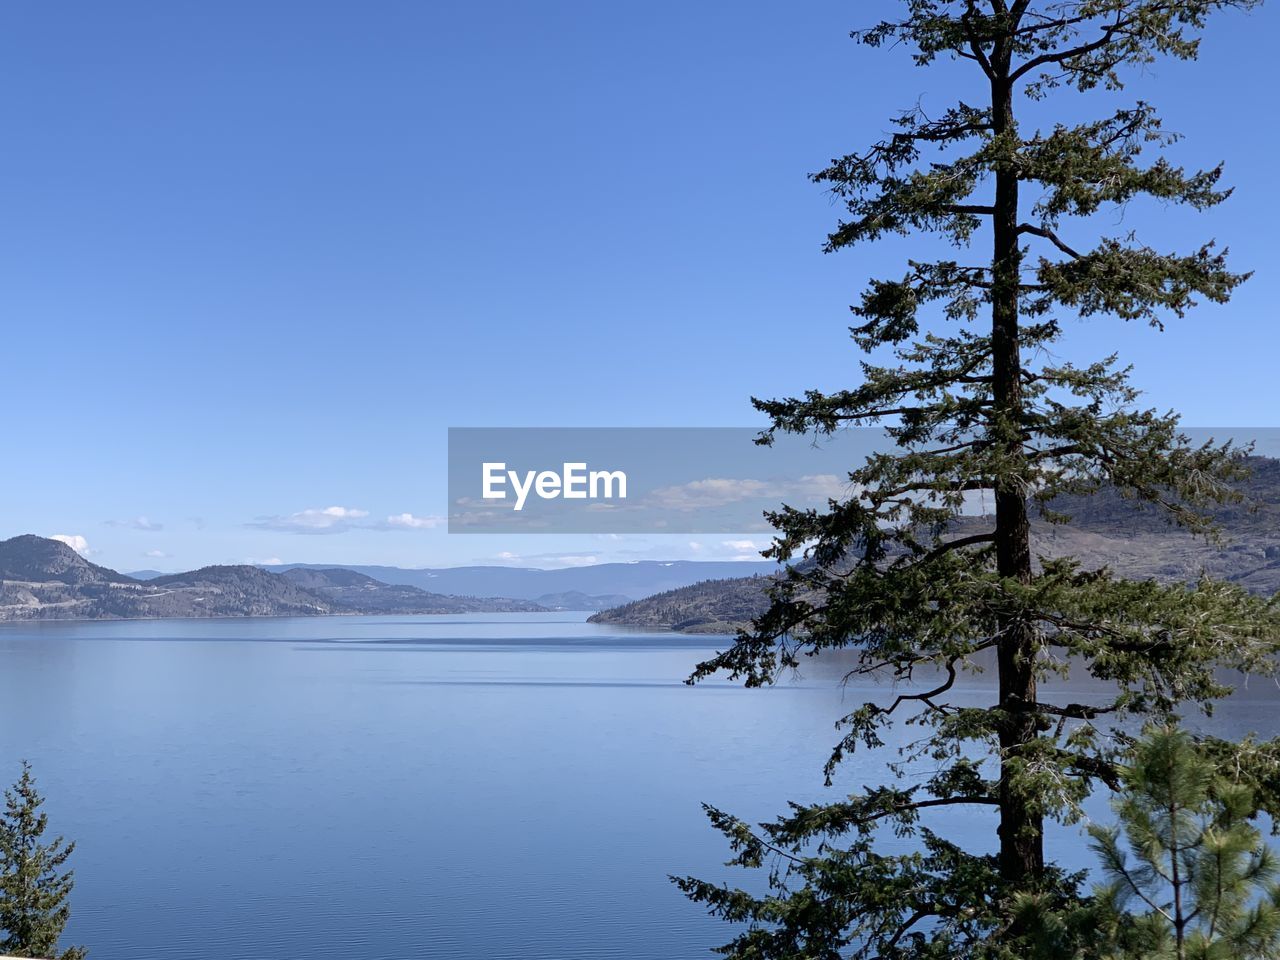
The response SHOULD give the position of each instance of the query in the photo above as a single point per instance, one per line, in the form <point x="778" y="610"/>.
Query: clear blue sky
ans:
<point x="255" y="258"/>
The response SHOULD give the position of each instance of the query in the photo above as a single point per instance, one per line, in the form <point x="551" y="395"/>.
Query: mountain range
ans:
<point x="1132" y="539"/>
<point x="46" y="579"/>
<point x="43" y="579"/>
<point x="598" y="585"/>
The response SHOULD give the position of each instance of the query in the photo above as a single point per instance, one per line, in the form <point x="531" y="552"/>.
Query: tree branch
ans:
<point x="1109" y="34"/>
<point x="1074" y="711"/>
<point x="1052" y="237"/>
<point x="976" y="52"/>
<point x="959" y="544"/>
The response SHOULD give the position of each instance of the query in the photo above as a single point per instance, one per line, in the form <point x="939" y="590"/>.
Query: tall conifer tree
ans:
<point x="34" y="889"/>
<point x="976" y="401"/>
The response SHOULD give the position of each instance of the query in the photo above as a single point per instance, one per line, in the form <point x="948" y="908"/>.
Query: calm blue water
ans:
<point x="491" y="786"/>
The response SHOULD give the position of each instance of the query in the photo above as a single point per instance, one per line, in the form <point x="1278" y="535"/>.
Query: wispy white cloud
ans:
<point x="342" y="519"/>
<point x="137" y="523"/>
<point x="407" y="521"/>
<point x="711" y="492"/>
<point x="157" y="555"/>
<point x="545" y="559"/>
<point x="317" y="520"/>
<point x="76" y="542"/>
<point x="724" y="550"/>
<point x="714" y="492"/>
<point x="668" y="547"/>
<point x="743" y="549"/>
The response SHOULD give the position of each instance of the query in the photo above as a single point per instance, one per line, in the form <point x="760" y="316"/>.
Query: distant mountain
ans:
<point x="1134" y="540"/>
<point x="30" y="558"/>
<point x="45" y="579"/>
<point x="620" y="580"/>
<point x="577" y="600"/>
<point x="363" y="594"/>
<point x="145" y="574"/>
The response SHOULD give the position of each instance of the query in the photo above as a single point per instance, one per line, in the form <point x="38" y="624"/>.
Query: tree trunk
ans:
<point x="1021" y="829"/>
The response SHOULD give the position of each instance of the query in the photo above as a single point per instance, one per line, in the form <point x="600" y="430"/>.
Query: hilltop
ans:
<point x="712" y="606"/>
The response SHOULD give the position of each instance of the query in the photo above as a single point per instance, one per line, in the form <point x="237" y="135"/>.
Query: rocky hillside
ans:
<point x="61" y="584"/>
<point x="1134" y="540"/>
<point x="44" y="579"/>
<point x="712" y="606"/>
<point x="235" y="591"/>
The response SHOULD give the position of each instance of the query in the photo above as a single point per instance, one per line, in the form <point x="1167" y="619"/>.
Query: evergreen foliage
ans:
<point x="976" y="401"/>
<point x="1197" y="872"/>
<point x="33" y="887"/>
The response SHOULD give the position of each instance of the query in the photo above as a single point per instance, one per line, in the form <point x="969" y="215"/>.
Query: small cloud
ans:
<point x="73" y="540"/>
<point x="407" y="521"/>
<point x="507" y="505"/>
<point x="137" y="523"/>
<point x="319" y="520"/>
<point x="742" y="549"/>
<point x="157" y="555"/>
<point x="573" y="560"/>
<point x="263" y="561"/>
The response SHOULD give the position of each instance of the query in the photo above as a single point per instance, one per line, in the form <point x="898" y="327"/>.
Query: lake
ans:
<point x="383" y="788"/>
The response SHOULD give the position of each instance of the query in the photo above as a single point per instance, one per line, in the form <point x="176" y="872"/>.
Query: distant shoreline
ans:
<point x="343" y="614"/>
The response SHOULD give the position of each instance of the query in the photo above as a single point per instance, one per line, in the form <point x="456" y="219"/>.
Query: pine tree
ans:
<point x="976" y="401"/>
<point x="1202" y="880"/>
<point x="33" y="891"/>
